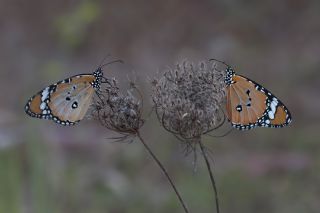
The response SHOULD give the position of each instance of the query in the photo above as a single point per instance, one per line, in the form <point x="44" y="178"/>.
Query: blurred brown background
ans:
<point x="48" y="168"/>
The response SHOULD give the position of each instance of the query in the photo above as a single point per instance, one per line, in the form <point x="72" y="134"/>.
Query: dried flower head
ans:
<point x="188" y="99"/>
<point x="116" y="111"/>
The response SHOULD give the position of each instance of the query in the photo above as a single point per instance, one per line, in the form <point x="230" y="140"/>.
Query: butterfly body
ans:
<point x="250" y="105"/>
<point x="65" y="102"/>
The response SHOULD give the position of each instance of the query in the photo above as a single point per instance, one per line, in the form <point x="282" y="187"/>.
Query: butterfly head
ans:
<point x="98" y="74"/>
<point x="229" y="74"/>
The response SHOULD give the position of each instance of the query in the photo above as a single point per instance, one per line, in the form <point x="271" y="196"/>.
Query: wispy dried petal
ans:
<point x="188" y="99"/>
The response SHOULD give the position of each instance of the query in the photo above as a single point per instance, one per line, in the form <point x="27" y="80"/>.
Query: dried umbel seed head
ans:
<point x="116" y="111"/>
<point x="188" y="99"/>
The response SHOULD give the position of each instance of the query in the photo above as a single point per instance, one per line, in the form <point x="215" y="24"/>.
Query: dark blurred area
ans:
<point x="45" y="167"/>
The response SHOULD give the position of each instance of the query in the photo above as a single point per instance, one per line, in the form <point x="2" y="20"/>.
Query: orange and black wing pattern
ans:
<point x="250" y="105"/>
<point x="67" y="101"/>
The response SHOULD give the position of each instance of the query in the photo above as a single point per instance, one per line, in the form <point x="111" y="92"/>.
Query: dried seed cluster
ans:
<point x="188" y="99"/>
<point x="116" y="111"/>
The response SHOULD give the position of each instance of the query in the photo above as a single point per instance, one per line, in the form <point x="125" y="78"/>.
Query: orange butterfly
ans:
<point x="250" y="105"/>
<point x="66" y="102"/>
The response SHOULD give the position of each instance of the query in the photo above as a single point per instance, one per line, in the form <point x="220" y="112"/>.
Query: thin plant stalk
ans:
<point x="164" y="172"/>
<point x="188" y="100"/>
<point x="122" y="113"/>
<point x="213" y="183"/>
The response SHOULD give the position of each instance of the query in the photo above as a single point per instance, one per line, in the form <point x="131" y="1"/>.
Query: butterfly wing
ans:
<point x="71" y="101"/>
<point x="250" y="105"/>
<point x="65" y="102"/>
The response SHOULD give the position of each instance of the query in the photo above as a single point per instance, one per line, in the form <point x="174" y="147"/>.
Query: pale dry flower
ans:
<point x="117" y="111"/>
<point x="122" y="113"/>
<point x="188" y="99"/>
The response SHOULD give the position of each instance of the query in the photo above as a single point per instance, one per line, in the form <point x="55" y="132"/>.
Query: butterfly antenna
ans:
<point x="213" y="59"/>
<point x="111" y="62"/>
<point x="104" y="58"/>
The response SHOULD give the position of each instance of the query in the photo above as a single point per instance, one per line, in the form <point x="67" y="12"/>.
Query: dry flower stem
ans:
<point x="204" y="154"/>
<point x="122" y="113"/>
<point x="188" y="101"/>
<point x="164" y="171"/>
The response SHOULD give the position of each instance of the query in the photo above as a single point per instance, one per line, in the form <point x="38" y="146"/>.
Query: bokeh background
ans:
<point x="46" y="168"/>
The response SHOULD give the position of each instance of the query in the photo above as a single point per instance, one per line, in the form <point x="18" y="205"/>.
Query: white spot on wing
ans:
<point x="271" y="115"/>
<point x="273" y="107"/>
<point x="42" y="106"/>
<point x="44" y="94"/>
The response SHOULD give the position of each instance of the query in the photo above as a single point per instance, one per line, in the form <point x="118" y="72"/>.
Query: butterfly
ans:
<point x="66" y="102"/>
<point x="250" y="105"/>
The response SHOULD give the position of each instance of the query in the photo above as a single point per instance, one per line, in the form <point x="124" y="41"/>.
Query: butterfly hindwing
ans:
<point x="71" y="100"/>
<point x="250" y="105"/>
